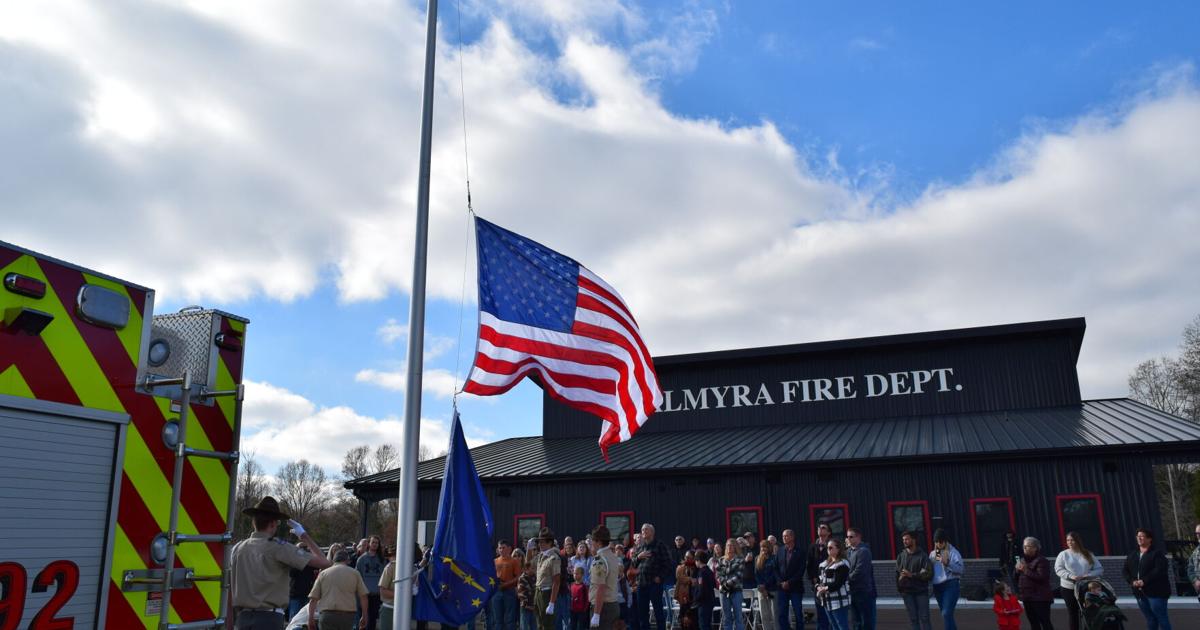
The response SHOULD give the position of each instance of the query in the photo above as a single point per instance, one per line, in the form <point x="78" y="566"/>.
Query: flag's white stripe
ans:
<point x="587" y="273"/>
<point x="577" y="342"/>
<point x="634" y="384"/>
<point x="502" y="353"/>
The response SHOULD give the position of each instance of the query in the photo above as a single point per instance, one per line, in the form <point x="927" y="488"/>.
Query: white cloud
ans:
<point x="441" y="383"/>
<point x="435" y="345"/>
<point x="278" y="144"/>
<point x="282" y="426"/>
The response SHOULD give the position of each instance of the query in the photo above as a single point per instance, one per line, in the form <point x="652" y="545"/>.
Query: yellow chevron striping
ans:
<point x="126" y="558"/>
<point x="72" y="354"/>
<point x="13" y="384"/>
<point x="225" y="381"/>
<point x="155" y="490"/>
<point x="131" y="334"/>
<point x="212" y="472"/>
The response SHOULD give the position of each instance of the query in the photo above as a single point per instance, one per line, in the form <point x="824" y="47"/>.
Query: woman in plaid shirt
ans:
<point x="833" y="585"/>
<point x="729" y="580"/>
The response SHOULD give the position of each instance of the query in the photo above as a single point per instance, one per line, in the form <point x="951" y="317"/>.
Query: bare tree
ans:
<point x="1160" y="383"/>
<point x="1189" y="369"/>
<point x="301" y="486"/>
<point x="252" y="485"/>
<point x="354" y="463"/>
<point x="386" y="458"/>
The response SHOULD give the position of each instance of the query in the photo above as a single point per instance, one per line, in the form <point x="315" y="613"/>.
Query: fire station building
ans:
<point x="977" y="431"/>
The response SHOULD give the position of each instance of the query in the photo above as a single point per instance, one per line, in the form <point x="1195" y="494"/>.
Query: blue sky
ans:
<point x="747" y="174"/>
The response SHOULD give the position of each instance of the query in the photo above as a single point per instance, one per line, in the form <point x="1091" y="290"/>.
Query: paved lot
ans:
<point x="891" y="619"/>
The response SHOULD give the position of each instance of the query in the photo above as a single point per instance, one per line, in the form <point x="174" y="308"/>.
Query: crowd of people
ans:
<point x="596" y="582"/>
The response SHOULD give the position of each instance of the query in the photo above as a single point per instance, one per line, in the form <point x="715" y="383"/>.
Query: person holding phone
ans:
<point x="1033" y="572"/>
<point x="948" y="568"/>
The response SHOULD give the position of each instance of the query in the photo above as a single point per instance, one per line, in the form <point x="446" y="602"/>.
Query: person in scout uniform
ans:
<point x="606" y="571"/>
<point x="261" y="565"/>
<point x="335" y="596"/>
<point x="549" y="579"/>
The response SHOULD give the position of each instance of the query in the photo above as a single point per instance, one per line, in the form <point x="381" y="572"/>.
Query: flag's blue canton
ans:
<point x="524" y="282"/>
<point x="462" y="573"/>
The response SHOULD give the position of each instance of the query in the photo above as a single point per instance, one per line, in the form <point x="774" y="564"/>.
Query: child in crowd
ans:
<point x="1007" y="608"/>
<point x="580" y="608"/>
<point x="525" y="591"/>
<point x="1095" y="596"/>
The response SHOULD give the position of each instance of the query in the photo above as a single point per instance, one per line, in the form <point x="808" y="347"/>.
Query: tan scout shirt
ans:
<point x="260" y="568"/>
<point x="606" y="570"/>
<point x="338" y="588"/>
<point x="385" y="581"/>
<point x="548" y="566"/>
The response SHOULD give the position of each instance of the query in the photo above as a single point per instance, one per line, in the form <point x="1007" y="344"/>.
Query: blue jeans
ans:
<point x="838" y="619"/>
<point x="917" y="605"/>
<point x="946" y="595"/>
<point x="294" y="606"/>
<point x="731" y="611"/>
<point x="793" y="599"/>
<point x="502" y="613"/>
<point x="704" y="616"/>
<point x="862" y="611"/>
<point x="562" y="609"/>
<point x="1154" y="609"/>
<point x="647" y="595"/>
<point x="528" y="620"/>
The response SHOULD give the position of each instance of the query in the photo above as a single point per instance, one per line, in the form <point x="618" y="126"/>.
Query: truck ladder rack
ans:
<point x="173" y="537"/>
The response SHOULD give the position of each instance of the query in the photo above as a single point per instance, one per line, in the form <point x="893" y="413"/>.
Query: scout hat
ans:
<point x="267" y="506"/>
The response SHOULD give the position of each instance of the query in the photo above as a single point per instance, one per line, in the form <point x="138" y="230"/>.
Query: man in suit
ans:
<point x="793" y="564"/>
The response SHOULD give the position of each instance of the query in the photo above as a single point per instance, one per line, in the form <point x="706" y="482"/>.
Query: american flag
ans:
<point x="540" y="311"/>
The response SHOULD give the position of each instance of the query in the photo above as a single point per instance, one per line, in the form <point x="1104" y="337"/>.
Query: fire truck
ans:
<point x="119" y="432"/>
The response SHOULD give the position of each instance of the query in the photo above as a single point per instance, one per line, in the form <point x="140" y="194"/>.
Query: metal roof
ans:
<point x="1093" y="425"/>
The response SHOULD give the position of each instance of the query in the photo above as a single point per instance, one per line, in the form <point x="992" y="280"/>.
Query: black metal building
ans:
<point x="976" y="430"/>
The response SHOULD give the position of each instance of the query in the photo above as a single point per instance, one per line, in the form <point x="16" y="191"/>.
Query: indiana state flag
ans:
<point x="461" y="575"/>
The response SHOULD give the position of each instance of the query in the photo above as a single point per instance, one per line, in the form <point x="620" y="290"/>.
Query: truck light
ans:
<point x="159" y="352"/>
<point x="26" y="320"/>
<point x="102" y="306"/>
<point x="24" y="285"/>
<point x="229" y="341"/>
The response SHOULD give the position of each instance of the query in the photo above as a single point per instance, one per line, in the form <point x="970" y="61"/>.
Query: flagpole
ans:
<point x="406" y="524"/>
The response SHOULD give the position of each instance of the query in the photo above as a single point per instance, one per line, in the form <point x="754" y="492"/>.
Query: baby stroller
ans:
<point x="1099" y="610"/>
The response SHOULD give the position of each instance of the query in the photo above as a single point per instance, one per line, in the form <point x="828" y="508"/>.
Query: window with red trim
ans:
<point x="526" y="526"/>
<point x="835" y="515"/>
<point x="739" y="520"/>
<point x="1082" y="513"/>
<point x="620" y="526"/>
<point x="991" y="518"/>
<point x="908" y="516"/>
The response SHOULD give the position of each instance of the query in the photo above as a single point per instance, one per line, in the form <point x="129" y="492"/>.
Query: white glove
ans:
<point x="595" y="620"/>
<point x="416" y="589"/>
<point x="550" y="608"/>
<point x="297" y="528"/>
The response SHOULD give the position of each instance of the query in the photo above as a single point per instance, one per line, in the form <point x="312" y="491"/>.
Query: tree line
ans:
<point x="319" y="501"/>
<point x="1172" y="384"/>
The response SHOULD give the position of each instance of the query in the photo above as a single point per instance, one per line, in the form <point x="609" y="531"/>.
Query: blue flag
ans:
<point x="461" y="575"/>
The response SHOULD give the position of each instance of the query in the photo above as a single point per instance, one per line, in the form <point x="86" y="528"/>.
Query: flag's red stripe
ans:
<point x="641" y="358"/>
<point x="586" y="283"/>
<point x="500" y="366"/>
<point x="575" y="355"/>
<point x="617" y="339"/>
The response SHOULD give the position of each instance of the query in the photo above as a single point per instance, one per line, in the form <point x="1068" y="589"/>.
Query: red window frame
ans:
<point x="632" y="522"/>
<point x="812" y="516"/>
<point x="744" y="508"/>
<point x="1012" y="521"/>
<point x="892" y="522"/>
<point x="517" y="542"/>
<point x="1062" y="531"/>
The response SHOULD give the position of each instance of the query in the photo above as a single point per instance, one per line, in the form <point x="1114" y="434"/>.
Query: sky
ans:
<point x="746" y="174"/>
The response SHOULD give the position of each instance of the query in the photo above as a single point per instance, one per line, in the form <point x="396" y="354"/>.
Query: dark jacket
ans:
<point x="817" y="553"/>
<point x="1010" y="549"/>
<point x="302" y="582"/>
<point x="792" y="571"/>
<point x="862" y="573"/>
<point x="1150" y="568"/>
<point x="658" y="565"/>
<point x="1034" y="582"/>
<point x="706" y="585"/>
<point x="768" y="575"/>
<point x="921" y="568"/>
<point x="749" y="579"/>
